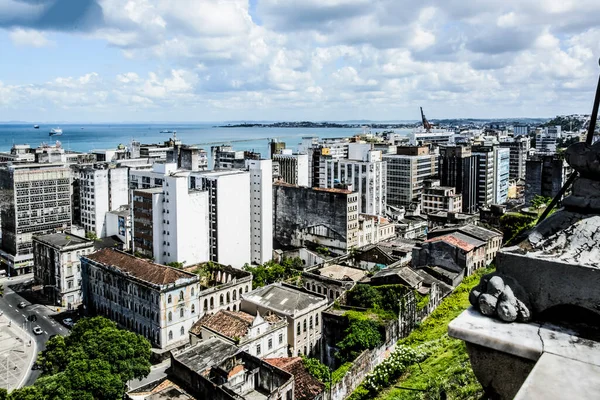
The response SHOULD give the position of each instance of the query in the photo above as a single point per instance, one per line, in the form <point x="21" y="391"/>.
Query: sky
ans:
<point x="236" y="60"/>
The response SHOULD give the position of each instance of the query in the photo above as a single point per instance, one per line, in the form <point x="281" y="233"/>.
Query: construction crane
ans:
<point x="426" y="124"/>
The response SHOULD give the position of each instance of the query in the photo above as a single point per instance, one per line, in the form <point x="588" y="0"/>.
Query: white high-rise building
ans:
<point x="502" y="174"/>
<point x="261" y="210"/>
<point x="102" y="188"/>
<point x="171" y="222"/>
<point x="293" y="168"/>
<point x="229" y="215"/>
<point x="366" y="176"/>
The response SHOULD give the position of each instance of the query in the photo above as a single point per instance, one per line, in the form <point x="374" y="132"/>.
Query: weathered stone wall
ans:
<point x="301" y="212"/>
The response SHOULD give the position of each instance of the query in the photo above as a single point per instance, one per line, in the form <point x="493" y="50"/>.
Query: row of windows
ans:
<point x="310" y="322"/>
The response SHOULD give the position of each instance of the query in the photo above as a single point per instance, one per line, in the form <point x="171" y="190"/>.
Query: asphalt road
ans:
<point x="8" y="305"/>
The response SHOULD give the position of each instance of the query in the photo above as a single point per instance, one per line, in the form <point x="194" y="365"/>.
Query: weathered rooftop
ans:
<point x="139" y="267"/>
<point x="283" y="299"/>
<point x="205" y="354"/>
<point x="231" y="324"/>
<point x="406" y="273"/>
<point x="340" y="272"/>
<point x="306" y="387"/>
<point x="63" y="240"/>
<point x="459" y="240"/>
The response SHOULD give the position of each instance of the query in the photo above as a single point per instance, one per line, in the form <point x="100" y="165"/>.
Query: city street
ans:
<point x="9" y="306"/>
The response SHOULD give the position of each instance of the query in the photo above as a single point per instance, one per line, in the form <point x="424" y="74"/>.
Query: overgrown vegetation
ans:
<point x="364" y="332"/>
<point x="539" y="202"/>
<point x="94" y="362"/>
<point x="317" y="369"/>
<point x="512" y="224"/>
<point x="379" y="299"/>
<point x="271" y="272"/>
<point x="175" y="264"/>
<point x="428" y="359"/>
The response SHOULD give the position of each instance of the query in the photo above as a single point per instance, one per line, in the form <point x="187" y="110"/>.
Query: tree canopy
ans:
<point x="94" y="362"/>
<point x="271" y="272"/>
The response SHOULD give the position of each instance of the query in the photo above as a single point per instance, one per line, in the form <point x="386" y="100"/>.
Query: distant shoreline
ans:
<point x="307" y="124"/>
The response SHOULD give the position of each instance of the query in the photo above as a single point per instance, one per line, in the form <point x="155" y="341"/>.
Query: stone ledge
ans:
<point x="518" y="339"/>
<point x="555" y="377"/>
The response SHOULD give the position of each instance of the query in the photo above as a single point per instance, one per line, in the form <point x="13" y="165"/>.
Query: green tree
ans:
<point x="317" y="369"/>
<point x="362" y="333"/>
<point x="365" y="296"/>
<point x="271" y="272"/>
<point x="540" y="201"/>
<point x="26" y="393"/>
<point x="91" y="236"/>
<point x="175" y="264"/>
<point x="94" y="362"/>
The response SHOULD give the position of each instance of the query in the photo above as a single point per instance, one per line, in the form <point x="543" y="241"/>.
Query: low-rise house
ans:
<point x="492" y="238"/>
<point x="156" y="301"/>
<point x="412" y="227"/>
<point x="306" y="386"/>
<point x="402" y="275"/>
<point x="259" y="336"/>
<point x="373" y="229"/>
<point x="56" y="266"/>
<point x="446" y="218"/>
<point x="301" y="308"/>
<point x="454" y="252"/>
<point x="332" y="280"/>
<point x="221" y="287"/>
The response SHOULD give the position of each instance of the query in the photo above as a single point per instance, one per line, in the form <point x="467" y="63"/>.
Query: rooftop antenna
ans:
<point x="588" y="140"/>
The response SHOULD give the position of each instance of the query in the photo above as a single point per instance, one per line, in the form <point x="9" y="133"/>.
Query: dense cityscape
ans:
<point x="314" y="261"/>
<point x="299" y="200"/>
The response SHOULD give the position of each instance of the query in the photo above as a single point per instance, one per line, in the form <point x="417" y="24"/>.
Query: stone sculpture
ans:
<point x="502" y="297"/>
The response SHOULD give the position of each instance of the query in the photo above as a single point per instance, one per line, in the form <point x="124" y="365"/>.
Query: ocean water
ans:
<point x="108" y="136"/>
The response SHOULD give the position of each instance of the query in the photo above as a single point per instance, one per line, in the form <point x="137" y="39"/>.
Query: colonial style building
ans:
<point x="56" y="266"/>
<point x="221" y="288"/>
<point x="301" y="308"/>
<point x="260" y="336"/>
<point x="156" y="301"/>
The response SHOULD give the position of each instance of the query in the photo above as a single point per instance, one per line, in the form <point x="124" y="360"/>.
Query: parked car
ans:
<point x="68" y="322"/>
<point x="37" y="330"/>
<point x="22" y="304"/>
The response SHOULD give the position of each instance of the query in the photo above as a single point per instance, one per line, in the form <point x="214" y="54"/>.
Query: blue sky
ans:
<point x="207" y="60"/>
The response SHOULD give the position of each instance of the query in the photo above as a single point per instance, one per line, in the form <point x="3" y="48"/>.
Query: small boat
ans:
<point x="36" y="127"/>
<point x="166" y="131"/>
<point x="55" y="132"/>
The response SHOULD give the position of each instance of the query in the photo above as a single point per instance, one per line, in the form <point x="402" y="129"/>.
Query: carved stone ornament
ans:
<point x="500" y="296"/>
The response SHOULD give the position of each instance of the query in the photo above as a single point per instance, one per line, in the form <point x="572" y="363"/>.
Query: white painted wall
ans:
<point x="233" y="222"/>
<point x="261" y="210"/>
<point x="119" y="187"/>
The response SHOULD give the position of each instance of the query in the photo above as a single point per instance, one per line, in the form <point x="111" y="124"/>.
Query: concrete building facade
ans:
<point x="156" y="301"/>
<point x="57" y="267"/>
<point x="519" y="151"/>
<point x="502" y="174"/>
<point x="406" y="174"/>
<point x="293" y="168"/>
<point x="261" y="210"/>
<point x="440" y="198"/>
<point x="458" y="169"/>
<point x="35" y="200"/>
<point x="315" y="217"/>
<point x="545" y="176"/>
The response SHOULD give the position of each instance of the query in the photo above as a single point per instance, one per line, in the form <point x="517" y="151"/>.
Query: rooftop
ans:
<point x="457" y="239"/>
<point x="205" y="354"/>
<point x="340" y="272"/>
<point x="407" y="274"/>
<point x="306" y="387"/>
<point x="232" y="324"/>
<point x="283" y="299"/>
<point x="139" y="267"/>
<point x="150" y="191"/>
<point x="62" y="240"/>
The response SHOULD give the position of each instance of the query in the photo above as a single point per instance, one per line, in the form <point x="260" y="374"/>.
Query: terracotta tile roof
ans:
<point x="139" y="267"/>
<point x="228" y="323"/>
<point x="454" y="241"/>
<point x="306" y="387"/>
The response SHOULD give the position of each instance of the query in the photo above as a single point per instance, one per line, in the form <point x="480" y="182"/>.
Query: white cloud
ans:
<point x="29" y="37"/>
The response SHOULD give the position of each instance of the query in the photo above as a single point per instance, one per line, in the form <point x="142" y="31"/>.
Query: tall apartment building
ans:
<point x="35" y="199"/>
<point x="519" y="151"/>
<point x="406" y="172"/>
<point x="326" y="150"/>
<point x="261" y="210"/>
<point x="191" y="158"/>
<point x="545" y="141"/>
<point x="458" y="169"/>
<point x="224" y="157"/>
<point x="170" y="224"/>
<point x="519" y="130"/>
<point x="293" y="168"/>
<point x="433" y="136"/>
<point x="366" y="176"/>
<point x="440" y="198"/>
<point x="275" y="147"/>
<point x="156" y="301"/>
<point x="486" y="177"/>
<point x="101" y="188"/>
<point x="545" y="176"/>
<point x="315" y="217"/>
<point x="57" y="267"/>
<point x="229" y="215"/>
<point x="501" y="174"/>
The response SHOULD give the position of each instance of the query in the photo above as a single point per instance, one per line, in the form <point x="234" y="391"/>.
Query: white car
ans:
<point x="37" y="330"/>
<point x="68" y="322"/>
